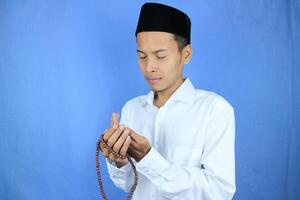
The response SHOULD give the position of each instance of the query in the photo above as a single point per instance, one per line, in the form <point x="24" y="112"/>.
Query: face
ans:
<point x="160" y="60"/>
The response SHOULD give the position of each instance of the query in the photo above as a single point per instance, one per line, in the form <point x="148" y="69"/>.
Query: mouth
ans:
<point x="153" y="80"/>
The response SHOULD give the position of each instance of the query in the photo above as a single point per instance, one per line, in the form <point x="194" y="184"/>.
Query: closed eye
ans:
<point x="161" y="57"/>
<point x="142" y="57"/>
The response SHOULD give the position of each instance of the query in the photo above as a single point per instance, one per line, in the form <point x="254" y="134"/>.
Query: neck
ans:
<point x="160" y="98"/>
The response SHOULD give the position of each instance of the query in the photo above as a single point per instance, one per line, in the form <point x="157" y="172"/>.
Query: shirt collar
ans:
<point x="185" y="93"/>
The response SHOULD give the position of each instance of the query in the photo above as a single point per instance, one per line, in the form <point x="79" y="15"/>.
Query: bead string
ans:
<point x="103" y="144"/>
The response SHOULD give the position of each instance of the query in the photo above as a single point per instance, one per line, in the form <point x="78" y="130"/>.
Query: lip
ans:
<point x="153" y="80"/>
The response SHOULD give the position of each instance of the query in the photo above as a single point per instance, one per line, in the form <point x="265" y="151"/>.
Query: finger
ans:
<point x="109" y="133"/>
<point x="111" y="120"/>
<point x="135" y="139"/>
<point x="105" y="131"/>
<point x="111" y="156"/>
<point x="134" y="136"/>
<point x="120" y="160"/>
<point x="114" y="119"/>
<point x="125" y="146"/>
<point x="134" y="144"/>
<point x="118" y="144"/>
<point x="105" y="152"/>
<point x="111" y="141"/>
<point x="131" y="151"/>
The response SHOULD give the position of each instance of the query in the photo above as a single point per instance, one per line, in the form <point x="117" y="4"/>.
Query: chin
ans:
<point x="156" y="89"/>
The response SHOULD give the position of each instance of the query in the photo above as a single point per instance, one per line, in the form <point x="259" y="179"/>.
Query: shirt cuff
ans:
<point x="113" y="169"/>
<point x="153" y="164"/>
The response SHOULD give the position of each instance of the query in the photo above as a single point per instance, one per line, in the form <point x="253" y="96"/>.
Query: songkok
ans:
<point x="159" y="17"/>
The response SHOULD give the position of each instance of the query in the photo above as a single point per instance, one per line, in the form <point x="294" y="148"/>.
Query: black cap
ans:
<point x="160" y="17"/>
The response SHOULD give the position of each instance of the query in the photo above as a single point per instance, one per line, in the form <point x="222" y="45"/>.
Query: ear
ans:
<point x="187" y="53"/>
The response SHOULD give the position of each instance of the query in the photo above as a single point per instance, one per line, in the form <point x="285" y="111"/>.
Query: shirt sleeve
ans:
<point x="215" y="179"/>
<point x="122" y="177"/>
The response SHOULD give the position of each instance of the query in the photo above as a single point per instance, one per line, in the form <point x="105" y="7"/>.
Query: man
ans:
<point x="181" y="138"/>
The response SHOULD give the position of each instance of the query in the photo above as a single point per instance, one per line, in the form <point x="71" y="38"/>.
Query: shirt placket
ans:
<point x="158" y="142"/>
<point x="156" y="130"/>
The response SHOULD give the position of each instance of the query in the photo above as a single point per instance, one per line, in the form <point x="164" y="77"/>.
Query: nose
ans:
<point x="150" y="65"/>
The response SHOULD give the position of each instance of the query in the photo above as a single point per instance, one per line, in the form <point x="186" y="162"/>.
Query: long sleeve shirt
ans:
<point x="192" y="154"/>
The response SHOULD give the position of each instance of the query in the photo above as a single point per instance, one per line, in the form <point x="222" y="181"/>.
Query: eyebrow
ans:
<point x="157" y="51"/>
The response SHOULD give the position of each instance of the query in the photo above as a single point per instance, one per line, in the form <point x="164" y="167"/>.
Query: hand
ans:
<point x="139" y="146"/>
<point x="117" y="137"/>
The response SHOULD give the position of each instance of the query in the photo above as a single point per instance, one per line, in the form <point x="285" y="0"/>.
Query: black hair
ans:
<point x="181" y="41"/>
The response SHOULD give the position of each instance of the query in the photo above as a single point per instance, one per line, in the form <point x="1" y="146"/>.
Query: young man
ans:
<point x="181" y="138"/>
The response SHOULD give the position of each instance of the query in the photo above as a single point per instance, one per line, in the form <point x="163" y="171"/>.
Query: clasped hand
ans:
<point x="124" y="141"/>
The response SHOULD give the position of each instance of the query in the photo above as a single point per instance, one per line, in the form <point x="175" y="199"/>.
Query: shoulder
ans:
<point x="212" y="100"/>
<point x="135" y="102"/>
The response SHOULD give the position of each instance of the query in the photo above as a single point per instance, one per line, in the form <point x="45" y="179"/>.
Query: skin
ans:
<point x="117" y="136"/>
<point x="161" y="64"/>
<point x="159" y="57"/>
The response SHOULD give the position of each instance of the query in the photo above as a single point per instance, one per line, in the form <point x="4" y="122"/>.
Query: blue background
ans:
<point x="65" y="66"/>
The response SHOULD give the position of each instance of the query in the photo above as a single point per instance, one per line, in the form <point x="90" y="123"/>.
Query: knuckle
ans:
<point x="115" y="148"/>
<point x="123" y="138"/>
<point x="102" y="149"/>
<point x="105" y="137"/>
<point x="119" y="131"/>
<point x="122" y="152"/>
<point x="105" y="153"/>
<point x="110" y="142"/>
<point x="111" y="157"/>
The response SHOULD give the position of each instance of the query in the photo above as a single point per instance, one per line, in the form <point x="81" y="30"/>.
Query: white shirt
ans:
<point x="192" y="153"/>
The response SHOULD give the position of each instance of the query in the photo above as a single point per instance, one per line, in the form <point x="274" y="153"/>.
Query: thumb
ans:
<point x="133" y="135"/>
<point x="114" y="119"/>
